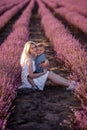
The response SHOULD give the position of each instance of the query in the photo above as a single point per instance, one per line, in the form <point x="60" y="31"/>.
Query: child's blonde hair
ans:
<point x="40" y="45"/>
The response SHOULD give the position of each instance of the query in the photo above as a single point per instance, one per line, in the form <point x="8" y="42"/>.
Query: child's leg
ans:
<point x="32" y="82"/>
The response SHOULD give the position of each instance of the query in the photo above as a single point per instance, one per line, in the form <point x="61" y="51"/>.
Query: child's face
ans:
<point x="40" y="50"/>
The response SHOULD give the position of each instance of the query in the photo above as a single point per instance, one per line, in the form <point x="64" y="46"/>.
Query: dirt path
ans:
<point x="50" y="109"/>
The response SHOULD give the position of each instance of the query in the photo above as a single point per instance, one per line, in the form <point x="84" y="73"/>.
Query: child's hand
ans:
<point x="42" y="65"/>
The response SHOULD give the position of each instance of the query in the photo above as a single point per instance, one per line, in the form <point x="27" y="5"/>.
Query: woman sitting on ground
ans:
<point x="27" y="62"/>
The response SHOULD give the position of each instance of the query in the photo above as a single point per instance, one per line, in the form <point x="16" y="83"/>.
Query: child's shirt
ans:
<point x="38" y="60"/>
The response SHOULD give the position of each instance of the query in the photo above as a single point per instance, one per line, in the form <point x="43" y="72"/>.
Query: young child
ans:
<point x="41" y="61"/>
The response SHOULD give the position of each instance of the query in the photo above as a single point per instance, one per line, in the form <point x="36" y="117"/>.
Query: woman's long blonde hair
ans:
<point x="25" y="53"/>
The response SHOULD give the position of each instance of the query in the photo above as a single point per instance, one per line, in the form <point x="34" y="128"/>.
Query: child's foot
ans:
<point x="72" y="85"/>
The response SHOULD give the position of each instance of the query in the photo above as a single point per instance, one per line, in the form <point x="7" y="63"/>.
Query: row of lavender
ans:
<point x="72" y="5"/>
<point x="8" y="6"/>
<point x="71" y="52"/>
<point x="10" y="13"/>
<point x="75" y="5"/>
<point x="10" y="71"/>
<point x="5" y="2"/>
<point x="72" y="16"/>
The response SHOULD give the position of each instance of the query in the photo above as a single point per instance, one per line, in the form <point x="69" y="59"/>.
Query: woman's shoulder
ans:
<point x="28" y="60"/>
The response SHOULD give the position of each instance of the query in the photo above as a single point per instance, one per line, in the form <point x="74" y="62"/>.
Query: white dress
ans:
<point x="39" y="82"/>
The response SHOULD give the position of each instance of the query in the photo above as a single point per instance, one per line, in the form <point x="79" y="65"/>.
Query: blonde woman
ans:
<point x="27" y="62"/>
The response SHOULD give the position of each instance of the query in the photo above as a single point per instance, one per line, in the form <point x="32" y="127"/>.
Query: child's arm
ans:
<point x="46" y="63"/>
<point x="31" y="81"/>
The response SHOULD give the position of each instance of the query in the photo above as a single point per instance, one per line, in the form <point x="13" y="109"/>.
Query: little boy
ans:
<point x="40" y="62"/>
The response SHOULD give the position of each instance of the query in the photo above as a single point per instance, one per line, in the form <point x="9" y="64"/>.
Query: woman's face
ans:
<point x="33" y="50"/>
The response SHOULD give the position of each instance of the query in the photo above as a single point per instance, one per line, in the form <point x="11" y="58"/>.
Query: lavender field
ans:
<point x="62" y="26"/>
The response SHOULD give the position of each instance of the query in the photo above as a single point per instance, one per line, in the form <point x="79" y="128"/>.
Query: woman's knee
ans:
<point x="50" y="74"/>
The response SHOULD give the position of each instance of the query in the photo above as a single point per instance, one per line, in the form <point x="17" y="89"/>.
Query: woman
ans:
<point x="28" y="68"/>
